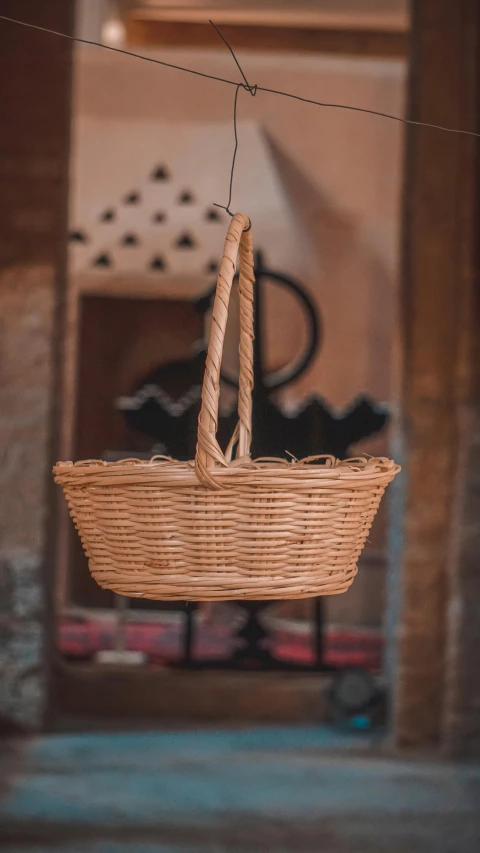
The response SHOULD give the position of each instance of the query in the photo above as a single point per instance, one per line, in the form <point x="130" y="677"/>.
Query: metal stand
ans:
<point x="252" y="653"/>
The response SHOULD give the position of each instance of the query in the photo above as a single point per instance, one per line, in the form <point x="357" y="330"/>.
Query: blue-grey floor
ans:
<point x="285" y="790"/>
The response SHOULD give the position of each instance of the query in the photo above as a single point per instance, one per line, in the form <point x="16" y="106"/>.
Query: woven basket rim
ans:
<point x="322" y="467"/>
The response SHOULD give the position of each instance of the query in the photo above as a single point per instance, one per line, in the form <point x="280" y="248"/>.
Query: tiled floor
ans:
<point x="284" y="790"/>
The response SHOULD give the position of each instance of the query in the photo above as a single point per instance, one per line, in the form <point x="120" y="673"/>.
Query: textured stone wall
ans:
<point x="35" y="97"/>
<point x="26" y="331"/>
<point x="23" y="683"/>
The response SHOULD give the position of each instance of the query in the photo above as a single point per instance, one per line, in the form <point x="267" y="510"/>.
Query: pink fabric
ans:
<point x="162" y="642"/>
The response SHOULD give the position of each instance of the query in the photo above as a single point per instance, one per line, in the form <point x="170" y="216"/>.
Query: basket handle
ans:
<point x="208" y="454"/>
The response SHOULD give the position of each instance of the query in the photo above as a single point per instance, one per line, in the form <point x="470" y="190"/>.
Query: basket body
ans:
<point x="151" y="530"/>
<point x="223" y="528"/>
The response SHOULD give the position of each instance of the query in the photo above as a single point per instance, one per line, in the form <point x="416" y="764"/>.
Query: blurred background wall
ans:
<point x="326" y="187"/>
<point x="326" y="212"/>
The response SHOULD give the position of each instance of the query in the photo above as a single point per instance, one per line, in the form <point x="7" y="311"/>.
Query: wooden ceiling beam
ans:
<point x="151" y="28"/>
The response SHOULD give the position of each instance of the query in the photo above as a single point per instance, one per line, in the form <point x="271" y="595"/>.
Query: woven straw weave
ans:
<point x="218" y="528"/>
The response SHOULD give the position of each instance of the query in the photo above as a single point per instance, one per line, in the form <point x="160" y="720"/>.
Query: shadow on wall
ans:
<point x="355" y="292"/>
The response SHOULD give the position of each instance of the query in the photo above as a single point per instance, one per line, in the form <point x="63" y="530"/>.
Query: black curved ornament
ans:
<point x="283" y="377"/>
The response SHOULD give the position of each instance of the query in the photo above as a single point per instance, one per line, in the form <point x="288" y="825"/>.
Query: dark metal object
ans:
<point x="188" y="638"/>
<point x="252" y="652"/>
<point x="353" y="691"/>
<point x="165" y="407"/>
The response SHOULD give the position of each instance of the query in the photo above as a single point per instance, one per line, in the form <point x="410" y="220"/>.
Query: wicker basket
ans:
<point x="219" y="528"/>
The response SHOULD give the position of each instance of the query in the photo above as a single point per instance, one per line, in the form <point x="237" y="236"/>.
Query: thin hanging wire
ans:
<point x="370" y="112"/>
<point x="251" y="89"/>
<point x="118" y="50"/>
<point x="232" y="169"/>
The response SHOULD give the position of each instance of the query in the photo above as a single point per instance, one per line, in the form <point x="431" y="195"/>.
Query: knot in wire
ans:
<point x="252" y="90"/>
<point x="226" y="206"/>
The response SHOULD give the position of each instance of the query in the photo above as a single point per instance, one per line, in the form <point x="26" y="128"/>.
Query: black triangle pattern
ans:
<point x="103" y="260"/>
<point x="213" y="215"/>
<point x="186" y="241"/>
<point x="130" y="239"/>
<point x="160" y="173"/>
<point x="157" y="263"/>
<point x="78" y="237"/>
<point x="132" y="198"/>
<point x="107" y="215"/>
<point x="186" y="197"/>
